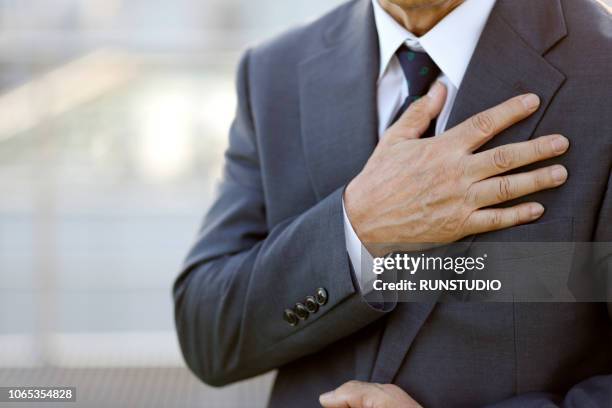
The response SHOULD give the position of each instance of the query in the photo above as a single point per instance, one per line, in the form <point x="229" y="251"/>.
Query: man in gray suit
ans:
<point x="273" y="280"/>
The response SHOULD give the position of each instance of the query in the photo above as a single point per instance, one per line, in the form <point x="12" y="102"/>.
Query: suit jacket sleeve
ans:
<point x="241" y="274"/>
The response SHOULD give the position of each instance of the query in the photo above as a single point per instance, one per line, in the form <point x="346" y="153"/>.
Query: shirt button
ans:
<point x="321" y="296"/>
<point x="290" y="317"/>
<point x="301" y="311"/>
<point x="311" y="304"/>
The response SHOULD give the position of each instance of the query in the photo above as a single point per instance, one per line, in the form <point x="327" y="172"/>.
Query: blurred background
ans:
<point x="113" y="120"/>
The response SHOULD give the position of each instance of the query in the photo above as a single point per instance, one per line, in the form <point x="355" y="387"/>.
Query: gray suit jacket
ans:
<point x="305" y="125"/>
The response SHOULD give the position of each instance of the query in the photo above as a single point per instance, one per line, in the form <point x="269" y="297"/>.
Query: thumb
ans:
<point x="415" y="121"/>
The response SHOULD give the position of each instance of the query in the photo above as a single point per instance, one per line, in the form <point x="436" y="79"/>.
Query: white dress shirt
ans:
<point x="450" y="44"/>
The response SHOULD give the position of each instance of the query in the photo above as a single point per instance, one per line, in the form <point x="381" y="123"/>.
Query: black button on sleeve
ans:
<point x="321" y="296"/>
<point x="301" y="311"/>
<point x="290" y="317"/>
<point x="311" y="304"/>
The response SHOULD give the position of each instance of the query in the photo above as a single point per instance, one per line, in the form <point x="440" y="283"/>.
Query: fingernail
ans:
<point x="326" y="397"/>
<point x="435" y="90"/>
<point x="560" y="144"/>
<point x="559" y="174"/>
<point x="537" y="210"/>
<point x="530" y="101"/>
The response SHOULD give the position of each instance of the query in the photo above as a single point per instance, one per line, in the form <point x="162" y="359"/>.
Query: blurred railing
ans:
<point x="113" y="121"/>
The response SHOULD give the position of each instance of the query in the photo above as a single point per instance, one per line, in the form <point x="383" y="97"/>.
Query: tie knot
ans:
<point x="419" y="69"/>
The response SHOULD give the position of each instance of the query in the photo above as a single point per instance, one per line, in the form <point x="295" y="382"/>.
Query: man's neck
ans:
<point x="420" y="19"/>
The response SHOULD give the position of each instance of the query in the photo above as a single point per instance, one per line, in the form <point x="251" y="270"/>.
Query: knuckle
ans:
<point x="344" y="389"/>
<point x="412" y="128"/>
<point x="390" y="387"/>
<point x="495" y="218"/>
<point x="418" y="107"/>
<point x="540" y="148"/>
<point x="399" y="133"/>
<point x="504" y="189"/>
<point x="484" y="123"/>
<point x="503" y="158"/>
<point x="539" y="180"/>
<point x="520" y="215"/>
<point x="422" y="107"/>
<point x="368" y="401"/>
<point x="517" y="217"/>
<point x="464" y="173"/>
<point x="471" y="197"/>
<point x="412" y="133"/>
<point x="422" y="122"/>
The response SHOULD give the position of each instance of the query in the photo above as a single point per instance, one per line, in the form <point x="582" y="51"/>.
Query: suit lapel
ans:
<point x="506" y="64"/>
<point x="507" y="61"/>
<point x="338" y="101"/>
<point x="402" y="326"/>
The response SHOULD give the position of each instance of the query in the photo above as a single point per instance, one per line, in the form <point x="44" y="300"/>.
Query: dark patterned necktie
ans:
<point x="420" y="72"/>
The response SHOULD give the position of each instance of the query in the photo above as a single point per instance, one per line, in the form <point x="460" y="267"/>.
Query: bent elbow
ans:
<point x="205" y="363"/>
<point x="207" y="374"/>
<point x="202" y="354"/>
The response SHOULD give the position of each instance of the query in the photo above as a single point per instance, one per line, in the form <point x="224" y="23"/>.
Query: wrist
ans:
<point x="355" y="211"/>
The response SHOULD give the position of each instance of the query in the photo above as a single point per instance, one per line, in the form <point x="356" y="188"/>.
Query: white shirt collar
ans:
<point x="450" y="43"/>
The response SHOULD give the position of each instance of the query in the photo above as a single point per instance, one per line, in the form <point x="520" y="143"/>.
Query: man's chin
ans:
<point x="415" y="4"/>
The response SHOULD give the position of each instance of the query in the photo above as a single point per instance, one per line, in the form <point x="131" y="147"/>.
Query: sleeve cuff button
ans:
<point x="290" y="317"/>
<point x="321" y="296"/>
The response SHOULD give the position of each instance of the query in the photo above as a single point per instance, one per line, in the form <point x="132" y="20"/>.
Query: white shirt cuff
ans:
<point x="359" y="256"/>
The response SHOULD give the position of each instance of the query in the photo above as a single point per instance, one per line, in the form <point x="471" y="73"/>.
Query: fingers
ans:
<point x="493" y="219"/>
<point x="501" y="159"/>
<point x="356" y="394"/>
<point x="480" y="128"/>
<point x="416" y="119"/>
<point x="497" y="190"/>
